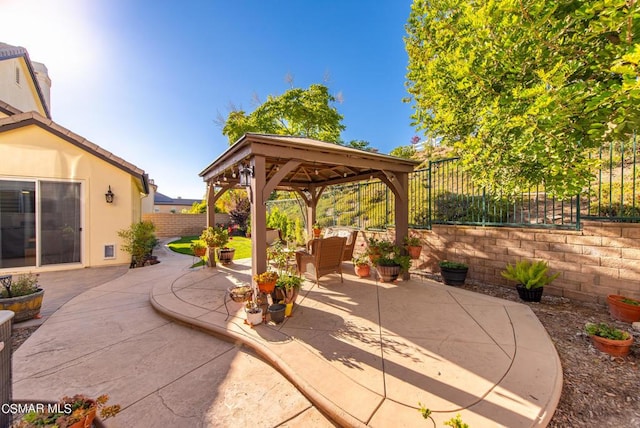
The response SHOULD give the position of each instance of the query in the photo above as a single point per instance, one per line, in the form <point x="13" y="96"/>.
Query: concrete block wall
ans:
<point x="601" y="259"/>
<point x="175" y="225"/>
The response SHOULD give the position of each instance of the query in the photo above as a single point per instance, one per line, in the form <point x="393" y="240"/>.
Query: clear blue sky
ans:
<point x="146" y="79"/>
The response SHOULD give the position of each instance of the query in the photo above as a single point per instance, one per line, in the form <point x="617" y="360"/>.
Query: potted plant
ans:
<point x="78" y="411"/>
<point x="266" y="281"/>
<point x="139" y="241"/>
<point x="453" y="273"/>
<point x="198" y="248"/>
<point x="391" y="262"/>
<point x="531" y="277"/>
<point x="362" y="266"/>
<point x="611" y="340"/>
<point x="290" y="285"/>
<point x="214" y="237"/>
<point x="624" y="308"/>
<point x="22" y="296"/>
<point x="317" y="230"/>
<point x="414" y="246"/>
<point x="254" y="313"/>
<point x="240" y="293"/>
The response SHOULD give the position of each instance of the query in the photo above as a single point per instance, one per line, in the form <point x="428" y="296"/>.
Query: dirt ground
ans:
<point x="598" y="390"/>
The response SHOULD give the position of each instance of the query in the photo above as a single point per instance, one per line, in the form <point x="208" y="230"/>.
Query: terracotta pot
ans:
<point x="199" y="252"/>
<point x="615" y="348"/>
<point x="414" y="251"/>
<point x="317" y="233"/>
<point x="267" y="287"/>
<point x="86" y="421"/>
<point x="363" y="271"/>
<point x="622" y="311"/>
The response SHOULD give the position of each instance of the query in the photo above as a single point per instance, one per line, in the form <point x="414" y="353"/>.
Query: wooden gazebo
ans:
<point x="264" y="163"/>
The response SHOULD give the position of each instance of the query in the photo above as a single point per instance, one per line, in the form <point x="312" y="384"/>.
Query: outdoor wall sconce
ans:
<point x="109" y="196"/>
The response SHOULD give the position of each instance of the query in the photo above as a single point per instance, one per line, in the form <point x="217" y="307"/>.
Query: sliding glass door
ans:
<point x="39" y="218"/>
<point x="17" y="223"/>
<point x="60" y="227"/>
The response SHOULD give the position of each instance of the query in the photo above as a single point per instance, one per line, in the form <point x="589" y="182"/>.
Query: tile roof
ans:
<point x="32" y="118"/>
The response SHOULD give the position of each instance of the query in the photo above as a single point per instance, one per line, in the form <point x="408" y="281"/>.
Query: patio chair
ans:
<point x="350" y="234"/>
<point x="325" y="258"/>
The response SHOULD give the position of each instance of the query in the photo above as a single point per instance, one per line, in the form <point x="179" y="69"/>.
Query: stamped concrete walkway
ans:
<point x="362" y="352"/>
<point x="368" y="353"/>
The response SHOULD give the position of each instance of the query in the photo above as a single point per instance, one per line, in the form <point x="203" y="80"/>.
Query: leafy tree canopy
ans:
<point x="300" y="112"/>
<point x="525" y="90"/>
<point x="405" y="152"/>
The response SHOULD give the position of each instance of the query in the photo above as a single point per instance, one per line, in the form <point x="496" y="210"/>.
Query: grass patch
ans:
<point x="241" y="244"/>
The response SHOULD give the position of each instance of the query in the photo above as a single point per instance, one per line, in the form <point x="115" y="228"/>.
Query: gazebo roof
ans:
<point x="320" y="163"/>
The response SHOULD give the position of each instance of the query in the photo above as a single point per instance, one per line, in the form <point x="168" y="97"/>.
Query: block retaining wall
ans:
<point x="170" y="225"/>
<point x="601" y="259"/>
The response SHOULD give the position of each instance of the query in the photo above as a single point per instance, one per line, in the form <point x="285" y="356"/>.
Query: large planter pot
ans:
<point x="254" y="316"/>
<point x="388" y="273"/>
<point x="622" y="311"/>
<point x="276" y="312"/>
<point x="532" y="295"/>
<point x="363" y="271"/>
<point x="225" y="255"/>
<point x="453" y="276"/>
<point x="615" y="348"/>
<point x="414" y="251"/>
<point x="24" y="307"/>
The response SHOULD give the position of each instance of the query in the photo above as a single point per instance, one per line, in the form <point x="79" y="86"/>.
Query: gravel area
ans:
<point x="597" y="391"/>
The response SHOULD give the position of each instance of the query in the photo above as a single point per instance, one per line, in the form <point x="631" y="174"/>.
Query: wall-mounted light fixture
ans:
<point x="109" y="196"/>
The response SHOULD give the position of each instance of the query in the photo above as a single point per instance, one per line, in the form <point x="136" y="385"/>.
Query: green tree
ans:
<point x="524" y="91"/>
<point x="405" y="152"/>
<point x="299" y="112"/>
<point x="359" y="144"/>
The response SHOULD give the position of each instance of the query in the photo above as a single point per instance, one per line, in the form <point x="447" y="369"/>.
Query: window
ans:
<point x="17" y="75"/>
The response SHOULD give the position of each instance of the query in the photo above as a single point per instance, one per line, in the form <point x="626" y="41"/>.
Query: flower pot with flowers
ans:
<point x="78" y="411"/>
<point x="23" y="296"/>
<point x="266" y="281"/>
<point x="254" y="312"/>
<point x="214" y="237"/>
<point x="362" y="266"/>
<point x="414" y="246"/>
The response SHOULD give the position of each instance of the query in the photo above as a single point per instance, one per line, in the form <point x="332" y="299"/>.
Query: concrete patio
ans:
<point x="363" y="353"/>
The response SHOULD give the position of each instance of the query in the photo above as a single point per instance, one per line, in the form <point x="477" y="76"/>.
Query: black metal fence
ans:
<point x="443" y="193"/>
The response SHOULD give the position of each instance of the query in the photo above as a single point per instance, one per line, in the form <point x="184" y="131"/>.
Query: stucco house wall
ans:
<point x="37" y="153"/>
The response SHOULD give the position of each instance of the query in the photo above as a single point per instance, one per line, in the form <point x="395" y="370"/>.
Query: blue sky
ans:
<point x="147" y="79"/>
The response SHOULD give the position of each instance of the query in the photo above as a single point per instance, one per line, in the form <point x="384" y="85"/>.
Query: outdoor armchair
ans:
<point x="350" y="234"/>
<point x="325" y="258"/>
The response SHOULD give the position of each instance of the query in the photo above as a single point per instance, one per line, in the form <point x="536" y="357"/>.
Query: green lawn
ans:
<point x="241" y="244"/>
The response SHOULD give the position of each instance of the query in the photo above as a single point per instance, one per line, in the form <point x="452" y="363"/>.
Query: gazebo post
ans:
<point x="258" y="217"/>
<point x="402" y="211"/>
